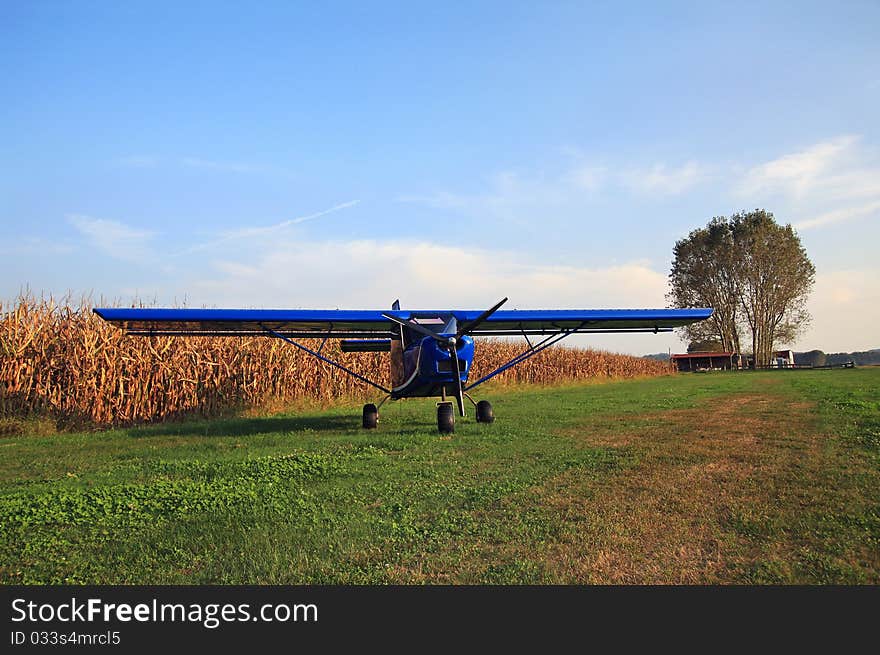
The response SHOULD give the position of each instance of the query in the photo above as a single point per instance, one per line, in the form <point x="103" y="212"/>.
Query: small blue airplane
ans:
<point x="432" y="351"/>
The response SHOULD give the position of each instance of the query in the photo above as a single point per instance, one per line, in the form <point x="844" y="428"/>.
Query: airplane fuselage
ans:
<point x="428" y="367"/>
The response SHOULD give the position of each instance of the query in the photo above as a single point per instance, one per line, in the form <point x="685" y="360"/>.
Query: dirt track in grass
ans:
<point x="711" y="500"/>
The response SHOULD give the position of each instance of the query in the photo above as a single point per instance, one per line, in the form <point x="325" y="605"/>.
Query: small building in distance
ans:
<point x="783" y="359"/>
<point x="780" y="359"/>
<point x="714" y="361"/>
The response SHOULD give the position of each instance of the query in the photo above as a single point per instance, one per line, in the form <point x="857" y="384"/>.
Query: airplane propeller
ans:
<point x="470" y="327"/>
<point x="450" y="341"/>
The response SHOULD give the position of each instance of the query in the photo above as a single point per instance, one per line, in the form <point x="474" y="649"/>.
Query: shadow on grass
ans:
<point x="238" y="427"/>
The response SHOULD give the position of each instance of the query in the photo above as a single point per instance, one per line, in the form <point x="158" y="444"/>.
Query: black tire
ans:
<point x="485" y="413"/>
<point x="371" y="417"/>
<point x="445" y="418"/>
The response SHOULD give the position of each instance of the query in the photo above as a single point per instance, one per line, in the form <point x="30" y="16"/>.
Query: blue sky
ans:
<point x="346" y="154"/>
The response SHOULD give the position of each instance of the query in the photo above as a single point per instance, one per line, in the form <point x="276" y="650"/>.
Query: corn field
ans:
<point x="61" y="361"/>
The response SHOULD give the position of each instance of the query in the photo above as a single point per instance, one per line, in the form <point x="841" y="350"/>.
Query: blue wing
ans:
<point x="244" y="322"/>
<point x="343" y="323"/>
<point x="545" y="321"/>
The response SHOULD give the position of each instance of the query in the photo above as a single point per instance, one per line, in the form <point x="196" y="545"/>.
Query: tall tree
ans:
<point x="774" y="279"/>
<point x="753" y="272"/>
<point x="703" y="276"/>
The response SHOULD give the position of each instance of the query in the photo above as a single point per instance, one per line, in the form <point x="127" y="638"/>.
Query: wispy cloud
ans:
<point x="348" y="273"/>
<point x="664" y="180"/>
<point x="261" y="231"/>
<point x="437" y="199"/>
<point x="509" y="197"/>
<point x="354" y="274"/>
<point x="797" y="173"/>
<point x="827" y="183"/>
<point x="518" y="197"/>
<point x="839" y="216"/>
<point x="589" y="178"/>
<point x="114" y="238"/>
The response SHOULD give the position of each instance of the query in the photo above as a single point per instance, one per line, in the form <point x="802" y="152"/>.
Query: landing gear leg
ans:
<point x="371" y="414"/>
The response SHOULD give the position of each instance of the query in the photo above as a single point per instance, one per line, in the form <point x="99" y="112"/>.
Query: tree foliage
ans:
<point x="702" y="275"/>
<point x="710" y="346"/>
<point x="755" y="274"/>
<point x="811" y="358"/>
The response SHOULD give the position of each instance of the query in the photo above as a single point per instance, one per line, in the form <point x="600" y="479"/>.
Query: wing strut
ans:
<point x="360" y="377"/>
<point x="526" y="354"/>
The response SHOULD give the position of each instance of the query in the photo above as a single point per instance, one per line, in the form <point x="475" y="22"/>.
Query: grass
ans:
<point x="769" y="477"/>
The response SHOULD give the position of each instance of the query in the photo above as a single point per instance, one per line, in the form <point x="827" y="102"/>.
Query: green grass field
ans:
<point x="703" y="478"/>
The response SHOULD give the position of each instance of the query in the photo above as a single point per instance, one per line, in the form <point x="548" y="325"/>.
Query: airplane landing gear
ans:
<point x="485" y="413"/>
<point x="371" y="416"/>
<point x="445" y="418"/>
<point x="445" y="414"/>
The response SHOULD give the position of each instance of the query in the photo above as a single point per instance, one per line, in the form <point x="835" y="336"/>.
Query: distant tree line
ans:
<point x="754" y="273"/>
<point x="809" y="358"/>
<point x="819" y="358"/>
